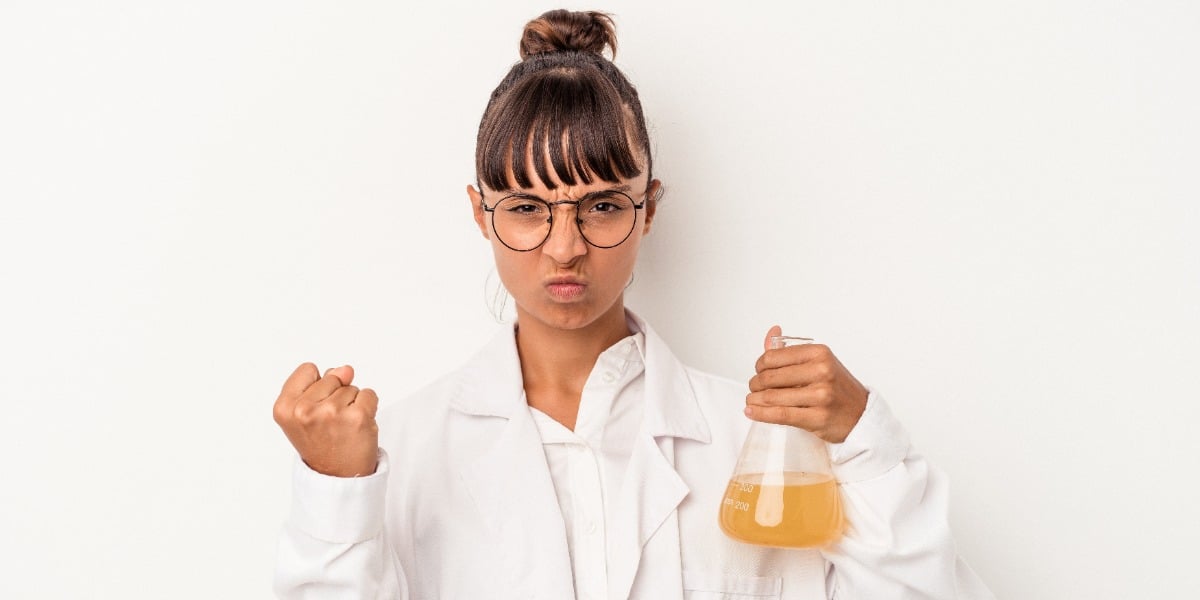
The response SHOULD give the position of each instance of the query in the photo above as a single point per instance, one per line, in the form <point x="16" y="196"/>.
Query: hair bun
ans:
<point x="563" y="30"/>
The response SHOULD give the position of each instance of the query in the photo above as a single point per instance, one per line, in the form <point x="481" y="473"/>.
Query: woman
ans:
<point x="574" y="456"/>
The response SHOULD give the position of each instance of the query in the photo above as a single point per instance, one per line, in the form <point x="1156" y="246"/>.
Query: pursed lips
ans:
<point x="565" y="288"/>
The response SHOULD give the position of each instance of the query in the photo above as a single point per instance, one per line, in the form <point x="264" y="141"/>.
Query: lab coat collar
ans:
<point x="492" y="385"/>
<point x="671" y="406"/>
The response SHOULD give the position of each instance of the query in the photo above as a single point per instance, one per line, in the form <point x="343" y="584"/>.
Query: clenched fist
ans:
<point x="330" y="422"/>
<point x="805" y="386"/>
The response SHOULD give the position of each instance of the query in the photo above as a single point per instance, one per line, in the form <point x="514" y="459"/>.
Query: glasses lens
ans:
<point x="521" y="223"/>
<point x="607" y="220"/>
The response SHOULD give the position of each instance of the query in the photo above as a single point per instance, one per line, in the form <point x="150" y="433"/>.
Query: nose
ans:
<point x="566" y="241"/>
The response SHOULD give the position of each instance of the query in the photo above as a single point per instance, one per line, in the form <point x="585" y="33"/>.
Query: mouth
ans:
<point x="565" y="288"/>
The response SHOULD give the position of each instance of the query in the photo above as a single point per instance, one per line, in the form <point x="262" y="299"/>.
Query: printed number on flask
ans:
<point x="737" y="488"/>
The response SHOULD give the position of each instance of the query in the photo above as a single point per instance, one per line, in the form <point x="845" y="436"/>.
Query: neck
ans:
<point x="555" y="363"/>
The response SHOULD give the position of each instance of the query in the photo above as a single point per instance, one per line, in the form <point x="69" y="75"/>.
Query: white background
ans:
<point x="989" y="212"/>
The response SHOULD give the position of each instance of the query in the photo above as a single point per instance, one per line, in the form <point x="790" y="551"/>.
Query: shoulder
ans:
<point x="419" y="410"/>
<point x="715" y="389"/>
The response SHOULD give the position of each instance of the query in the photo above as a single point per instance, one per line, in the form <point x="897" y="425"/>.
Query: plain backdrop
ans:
<point x="989" y="211"/>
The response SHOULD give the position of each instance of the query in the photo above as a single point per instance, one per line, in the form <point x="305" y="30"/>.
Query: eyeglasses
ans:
<point x="523" y="222"/>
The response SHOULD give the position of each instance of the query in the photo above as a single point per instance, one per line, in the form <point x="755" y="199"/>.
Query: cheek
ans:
<point x="510" y="265"/>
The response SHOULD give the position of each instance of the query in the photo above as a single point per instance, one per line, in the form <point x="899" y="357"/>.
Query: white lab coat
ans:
<point x="463" y="506"/>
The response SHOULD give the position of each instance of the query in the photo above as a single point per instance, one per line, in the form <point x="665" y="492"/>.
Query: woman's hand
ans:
<point x="805" y="386"/>
<point x="330" y="422"/>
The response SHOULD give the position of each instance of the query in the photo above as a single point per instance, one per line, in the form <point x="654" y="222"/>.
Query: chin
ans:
<point x="578" y="314"/>
<point x="575" y="315"/>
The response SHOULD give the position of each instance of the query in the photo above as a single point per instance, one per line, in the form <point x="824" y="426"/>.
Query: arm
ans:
<point x="334" y="544"/>
<point x="898" y="543"/>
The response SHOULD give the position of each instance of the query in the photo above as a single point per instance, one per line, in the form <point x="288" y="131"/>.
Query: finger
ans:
<point x="300" y="379"/>
<point x="792" y="355"/>
<point x="772" y="332"/>
<point x="805" y="418"/>
<point x="345" y="373"/>
<point x="344" y="396"/>
<point x="368" y="400"/>
<point x="797" y="375"/>
<point x="814" y="396"/>
<point x="323" y="388"/>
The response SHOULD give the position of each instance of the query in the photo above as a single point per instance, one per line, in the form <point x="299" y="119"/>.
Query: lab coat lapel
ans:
<point x="652" y="488"/>
<point x="509" y="481"/>
<point x="649" y="495"/>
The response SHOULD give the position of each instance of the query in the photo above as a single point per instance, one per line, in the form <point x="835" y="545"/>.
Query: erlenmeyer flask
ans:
<point x="782" y="492"/>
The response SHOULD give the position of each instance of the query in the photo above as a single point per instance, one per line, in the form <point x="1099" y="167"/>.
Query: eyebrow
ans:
<point x="509" y="193"/>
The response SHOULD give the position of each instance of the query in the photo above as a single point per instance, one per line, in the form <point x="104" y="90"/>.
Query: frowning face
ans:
<point x="566" y="282"/>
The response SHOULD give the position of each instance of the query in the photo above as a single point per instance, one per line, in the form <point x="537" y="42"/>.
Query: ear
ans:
<point x="652" y="192"/>
<point x="477" y="208"/>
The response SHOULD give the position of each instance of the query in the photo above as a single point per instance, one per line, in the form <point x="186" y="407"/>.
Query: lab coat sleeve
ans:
<point x="898" y="543"/>
<point x="334" y="544"/>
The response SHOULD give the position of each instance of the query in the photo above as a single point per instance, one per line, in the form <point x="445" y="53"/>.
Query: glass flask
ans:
<point x="782" y="492"/>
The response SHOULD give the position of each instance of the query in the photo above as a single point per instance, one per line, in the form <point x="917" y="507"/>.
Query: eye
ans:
<point x="522" y="207"/>
<point x="608" y="204"/>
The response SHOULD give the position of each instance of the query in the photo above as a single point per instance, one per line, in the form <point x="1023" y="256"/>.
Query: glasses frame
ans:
<point x="578" y="222"/>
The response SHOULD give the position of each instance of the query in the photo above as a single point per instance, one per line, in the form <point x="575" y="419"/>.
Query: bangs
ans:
<point x="571" y="123"/>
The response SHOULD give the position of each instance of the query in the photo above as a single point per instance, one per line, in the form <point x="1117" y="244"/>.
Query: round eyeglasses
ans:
<point x="523" y="222"/>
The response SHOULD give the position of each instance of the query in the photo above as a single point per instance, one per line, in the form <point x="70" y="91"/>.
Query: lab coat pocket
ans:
<point x="698" y="585"/>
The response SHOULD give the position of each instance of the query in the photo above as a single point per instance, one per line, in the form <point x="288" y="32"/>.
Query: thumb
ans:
<point x="773" y="331"/>
<point x="344" y="373"/>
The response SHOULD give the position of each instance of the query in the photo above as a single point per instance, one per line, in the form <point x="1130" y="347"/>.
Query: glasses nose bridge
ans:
<point x="574" y="212"/>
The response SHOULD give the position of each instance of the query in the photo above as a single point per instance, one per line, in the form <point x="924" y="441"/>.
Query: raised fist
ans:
<point x="330" y="422"/>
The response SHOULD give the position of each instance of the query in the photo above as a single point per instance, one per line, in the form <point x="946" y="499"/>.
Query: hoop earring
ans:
<point x="496" y="300"/>
<point x="632" y="277"/>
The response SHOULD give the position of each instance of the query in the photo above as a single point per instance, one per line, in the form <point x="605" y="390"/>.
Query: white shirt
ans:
<point x="588" y="464"/>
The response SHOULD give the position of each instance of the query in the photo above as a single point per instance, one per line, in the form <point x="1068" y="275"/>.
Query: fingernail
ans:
<point x="748" y="411"/>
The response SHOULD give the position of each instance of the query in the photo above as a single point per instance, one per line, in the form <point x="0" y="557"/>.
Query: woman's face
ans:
<point x="567" y="283"/>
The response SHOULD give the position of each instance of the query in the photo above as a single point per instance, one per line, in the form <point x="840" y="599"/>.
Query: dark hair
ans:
<point x="565" y="99"/>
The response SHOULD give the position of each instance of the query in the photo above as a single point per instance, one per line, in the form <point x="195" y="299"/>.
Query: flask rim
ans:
<point x="779" y="341"/>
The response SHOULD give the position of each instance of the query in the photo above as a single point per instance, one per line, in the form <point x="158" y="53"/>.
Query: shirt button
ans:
<point x="591" y="527"/>
<point x="609" y="377"/>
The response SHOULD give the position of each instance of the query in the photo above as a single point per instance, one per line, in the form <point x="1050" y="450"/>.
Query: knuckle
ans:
<point x="764" y="380"/>
<point x="327" y="411"/>
<point x="824" y="394"/>
<point x="775" y="397"/>
<point x="823" y="370"/>
<point x="767" y="397"/>
<point x="304" y="415"/>
<point x="315" y="414"/>
<point x="356" y="419"/>
<point x="280" y="412"/>
<point x="781" y="414"/>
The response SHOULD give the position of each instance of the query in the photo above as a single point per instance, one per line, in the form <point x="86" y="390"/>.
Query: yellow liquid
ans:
<point x="805" y="511"/>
